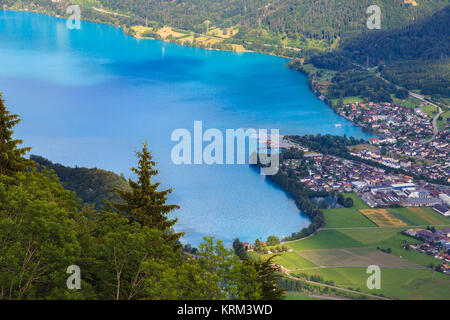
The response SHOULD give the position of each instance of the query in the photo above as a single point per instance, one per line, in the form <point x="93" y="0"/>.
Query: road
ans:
<point x="434" y="121"/>
<point x="109" y="12"/>
<point x="421" y="98"/>
<point x="339" y="288"/>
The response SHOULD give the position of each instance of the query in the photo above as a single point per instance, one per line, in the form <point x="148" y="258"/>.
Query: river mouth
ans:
<point x="90" y="97"/>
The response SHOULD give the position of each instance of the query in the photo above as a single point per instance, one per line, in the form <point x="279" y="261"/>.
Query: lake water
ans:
<point x="89" y="97"/>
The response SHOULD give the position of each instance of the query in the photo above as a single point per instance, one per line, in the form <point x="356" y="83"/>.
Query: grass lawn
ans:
<point x="373" y="235"/>
<point x="358" y="203"/>
<point x="385" y="238"/>
<point x="399" y="283"/>
<point x="410" y="217"/>
<point x="357" y="257"/>
<point x="410" y="102"/>
<point x="445" y="116"/>
<point x="395" y="243"/>
<point x="432" y="216"/>
<point x="291" y="260"/>
<point x="325" y="239"/>
<point x="346" y="100"/>
<point x="346" y="218"/>
<point x="430" y="110"/>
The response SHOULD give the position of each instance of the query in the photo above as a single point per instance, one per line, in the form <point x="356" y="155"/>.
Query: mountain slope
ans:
<point x="416" y="57"/>
<point x="93" y="186"/>
<point x="288" y="22"/>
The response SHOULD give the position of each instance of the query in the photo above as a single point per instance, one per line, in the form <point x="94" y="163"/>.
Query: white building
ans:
<point x="445" y="198"/>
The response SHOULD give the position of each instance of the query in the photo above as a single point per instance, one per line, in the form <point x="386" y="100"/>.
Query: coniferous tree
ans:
<point x="144" y="203"/>
<point x="268" y="278"/>
<point x="11" y="156"/>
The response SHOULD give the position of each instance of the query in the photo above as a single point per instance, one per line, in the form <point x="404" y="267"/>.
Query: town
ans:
<point x="320" y="172"/>
<point x="406" y="138"/>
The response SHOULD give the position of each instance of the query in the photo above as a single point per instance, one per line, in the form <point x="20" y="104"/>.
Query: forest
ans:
<point x="271" y="22"/>
<point x="92" y="186"/>
<point x="416" y="56"/>
<point x="127" y="250"/>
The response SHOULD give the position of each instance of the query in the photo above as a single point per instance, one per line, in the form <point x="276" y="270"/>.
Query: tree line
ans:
<point x="127" y="250"/>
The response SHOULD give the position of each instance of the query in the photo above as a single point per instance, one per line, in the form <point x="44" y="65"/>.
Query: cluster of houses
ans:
<point x="330" y="173"/>
<point x="405" y="139"/>
<point x="374" y="185"/>
<point x="429" y="159"/>
<point x="435" y="244"/>
<point x="389" y="119"/>
<point x="263" y="248"/>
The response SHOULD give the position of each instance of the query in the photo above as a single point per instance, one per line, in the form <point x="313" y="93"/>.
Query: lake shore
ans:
<point x="151" y="38"/>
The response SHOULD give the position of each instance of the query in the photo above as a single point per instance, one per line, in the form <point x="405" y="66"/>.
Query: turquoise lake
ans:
<point x="90" y="97"/>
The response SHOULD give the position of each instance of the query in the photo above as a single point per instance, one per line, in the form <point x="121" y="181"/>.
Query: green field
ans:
<point x="372" y="236"/>
<point x="408" y="216"/>
<point x="399" y="283"/>
<point x="395" y="242"/>
<point x="349" y="242"/>
<point x="358" y="203"/>
<point x="325" y="239"/>
<point x="357" y="257"/>
<point x="444" y="116"/>
<point x="385" y="238"/>
<point x="432" y="216"/>
<point x="346" y="100"/>
<point x="348" y="217"/>
<point x="430" y="110"/>
<point x="290" y="260"/>
<point x="410" y="102"/>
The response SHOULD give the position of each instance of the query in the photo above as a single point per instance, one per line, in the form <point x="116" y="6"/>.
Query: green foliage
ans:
<point x="267" y="278"/>
<point x="272" y="241"/>
<point x="264" y="25"/>
<point x="93" y="186"/>
<point x="363" y="84"/>
<point x="11" y="156"/>
<point x="343" y="201"/>
<point x="44" y="230"/>
<point x="415" y="56"/>
<point x="235" y="279"/>
<point x="239" y="249"/>
<point x="348" y="202"/>
<point x="38" y="237"/>
<point x="144" y="203"/>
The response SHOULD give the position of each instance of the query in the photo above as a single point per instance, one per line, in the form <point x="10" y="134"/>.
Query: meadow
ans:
<point x="356" y="257"/>
<point x="290" y="260"/>
<point x="324" y="239"/>
<point x="350" y="242"/>
<point x="395" y="283"/>
<point x="383" y="218"/>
